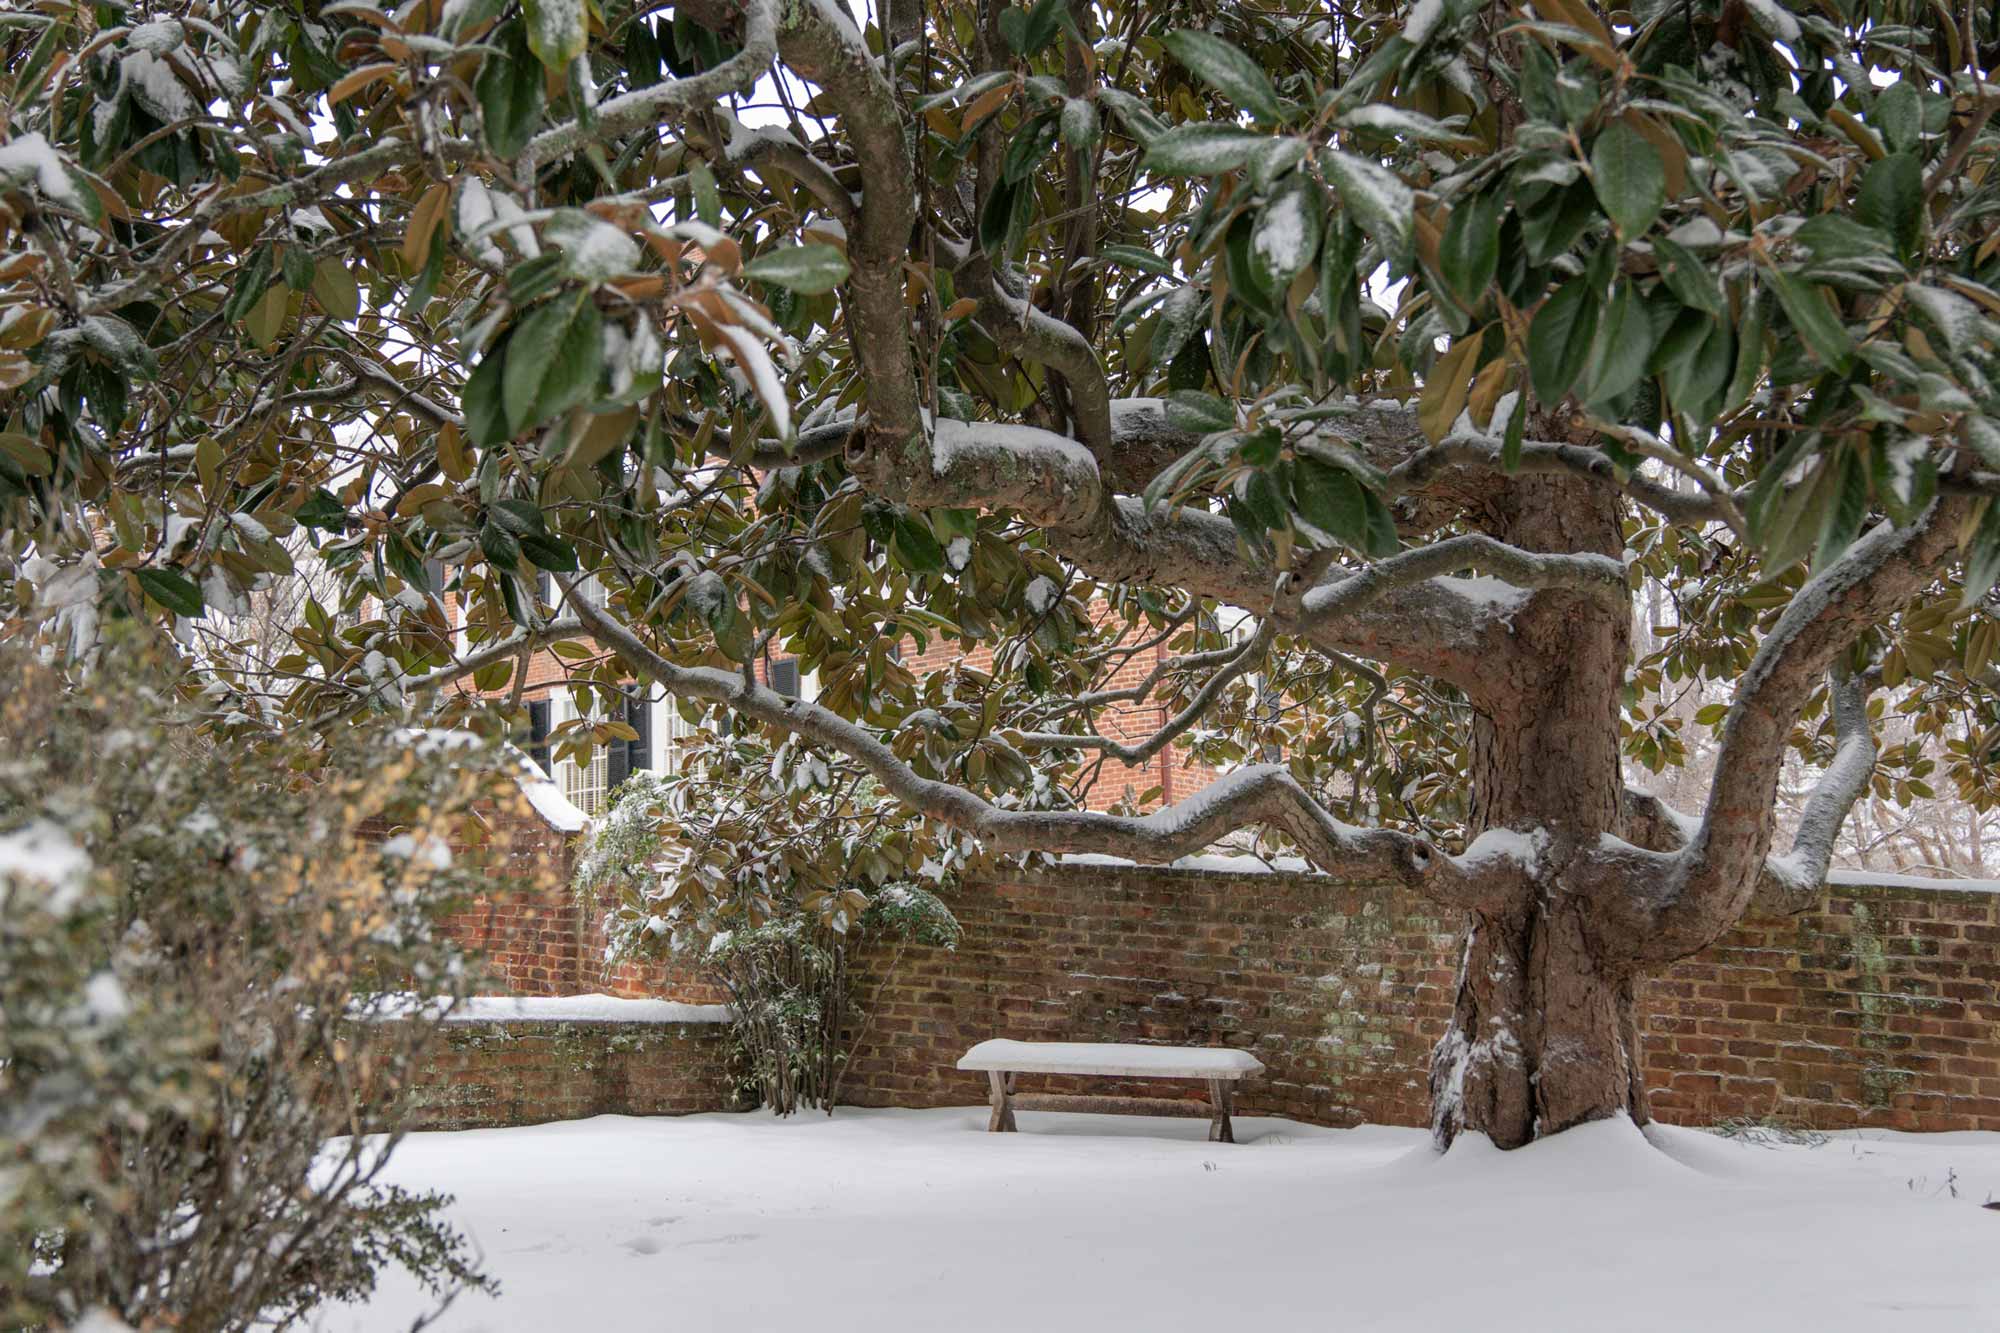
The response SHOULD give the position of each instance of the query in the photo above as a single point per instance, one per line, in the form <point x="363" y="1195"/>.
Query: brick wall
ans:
<point x="1881" y="1008"/>
<point x="515" y="1072"/>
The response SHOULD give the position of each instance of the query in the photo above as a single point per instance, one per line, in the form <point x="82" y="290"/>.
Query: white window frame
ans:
<point x="585" y="785"/>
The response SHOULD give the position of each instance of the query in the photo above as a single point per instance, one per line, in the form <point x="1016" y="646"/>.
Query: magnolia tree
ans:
<point x="1354" y="365"/>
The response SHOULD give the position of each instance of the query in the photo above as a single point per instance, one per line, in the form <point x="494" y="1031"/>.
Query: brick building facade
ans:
<point x="1172" y="774"/>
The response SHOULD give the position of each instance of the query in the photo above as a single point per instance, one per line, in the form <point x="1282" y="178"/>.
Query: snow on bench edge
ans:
<point x="1089" y="1057"/>
<point x="565" y="1009"/>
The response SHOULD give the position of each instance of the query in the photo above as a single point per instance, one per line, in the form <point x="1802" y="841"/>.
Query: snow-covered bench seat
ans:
<point x="1218" y="1066"/>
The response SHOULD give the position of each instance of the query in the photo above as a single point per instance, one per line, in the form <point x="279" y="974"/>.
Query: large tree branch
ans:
<point x="1790" y="882"/>
<point x="1260" y="795"/>
<point x="1595" y="575"/>
<point x="1435" y="626"/>
<point x="820" y="41"/>
<point x="1143" y="442"/>
<point x="1707" y="884"/>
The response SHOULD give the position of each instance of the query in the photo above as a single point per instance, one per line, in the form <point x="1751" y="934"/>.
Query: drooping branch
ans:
<point x="1263" y="794"/>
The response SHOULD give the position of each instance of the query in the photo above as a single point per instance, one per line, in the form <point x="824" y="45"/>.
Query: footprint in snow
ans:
<point x="643" y="1245"/>
<point x="736" y="1238"/>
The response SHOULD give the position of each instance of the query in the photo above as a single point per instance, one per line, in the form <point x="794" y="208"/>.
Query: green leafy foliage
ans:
<point x="765" y="870"/>
<point x="413" y="304"/>
<point x="201" y="949"/>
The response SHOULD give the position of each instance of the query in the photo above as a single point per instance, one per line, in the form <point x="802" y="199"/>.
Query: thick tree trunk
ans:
<point x="1543" y="1034"/>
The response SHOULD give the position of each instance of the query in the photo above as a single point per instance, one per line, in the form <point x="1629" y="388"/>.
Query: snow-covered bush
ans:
<point x="196" y="936"/>
<point x="763" y="868"/>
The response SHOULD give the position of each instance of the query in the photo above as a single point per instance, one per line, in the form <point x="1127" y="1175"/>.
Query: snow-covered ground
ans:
<point x="919" y="1220"/>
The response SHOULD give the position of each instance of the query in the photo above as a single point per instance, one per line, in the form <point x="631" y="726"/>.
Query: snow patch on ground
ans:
<point x="877" y="1221"/>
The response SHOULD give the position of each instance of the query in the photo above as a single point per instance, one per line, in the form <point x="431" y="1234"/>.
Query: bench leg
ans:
<point x="1221" y="1098"/>
<point x="1002" y="1119"/>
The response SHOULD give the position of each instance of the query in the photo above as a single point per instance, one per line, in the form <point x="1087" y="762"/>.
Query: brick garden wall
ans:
<point x="1880" y="1008"/>
<point x="516" y="1072"/>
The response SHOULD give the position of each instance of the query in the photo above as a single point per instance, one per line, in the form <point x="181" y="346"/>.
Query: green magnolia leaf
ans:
<point x="1230" y="72"/>
<point x="334" y="287"/>
<point x="509" y="88"/>
<point x="1286" y="236"/>
<point x="553" y="359"/>
<point x="806" y="269"/>
<point x="171" y="589"/>
<point x="1198" y="413"/>
<point x="1982" y="559"/>
<point x="1202" y="149"/>
<point x="251" y="280"/>
<point x="1470" y="250"/>
<point x="501" y="547"/>
<point x="1814" y="319"/>
<point x="523" y="518"/>
<point x="1377" y="198"/>
<point x="1079" y="123"/>
<point x="322" y="510"/>
<point x="1030" y="144"/>
<point x="1891" y="198"/>
<point x="1688" y="278"/>
<point x="1630" y="179"/>
<point x="1332" y="500"/>
<point x="552" y="553"/>
<point x="558" y="31"/>
<point x="1624" y="347"/>
<point x="484" y="401"/>
<point x="996" y="219"/>
<point x="1847" y="511"/>
<point x="1559" y="340"/>
<point x="1899" y="115"/>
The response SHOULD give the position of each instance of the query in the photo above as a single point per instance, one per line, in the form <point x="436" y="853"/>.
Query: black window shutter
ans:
<point x="785" y="677"/>
<point x="538" y="732"/>
<point x="639" y="712"/>
<point x="617" y="764"/>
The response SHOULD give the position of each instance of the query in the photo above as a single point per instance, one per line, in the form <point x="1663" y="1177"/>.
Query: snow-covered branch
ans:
<point x="1790" y="883"/>
<point x="670" y="97"/>
<point x="1713" y="877"/>
<point x="1597" y="575"/>
<point x="1265" y="794"/>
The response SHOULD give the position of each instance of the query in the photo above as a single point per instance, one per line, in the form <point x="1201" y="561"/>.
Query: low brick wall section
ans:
<point x="499" y="1072"/>
<point x="1881" y="1007"/>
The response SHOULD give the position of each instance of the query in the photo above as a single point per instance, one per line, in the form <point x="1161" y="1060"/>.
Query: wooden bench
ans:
<point x="1218" y="1066"/>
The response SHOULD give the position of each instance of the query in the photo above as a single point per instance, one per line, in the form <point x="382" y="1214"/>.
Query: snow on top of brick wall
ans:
<point x="553" y="1009"/>
<point x="1862" y="879"/>
<point x="1243" y="863"/>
